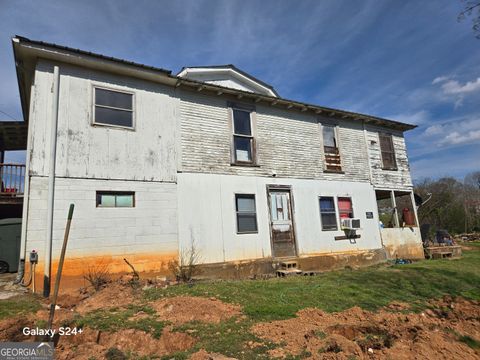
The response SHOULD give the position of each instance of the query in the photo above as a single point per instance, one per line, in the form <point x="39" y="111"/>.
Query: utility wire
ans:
<point x="10" y="116"/>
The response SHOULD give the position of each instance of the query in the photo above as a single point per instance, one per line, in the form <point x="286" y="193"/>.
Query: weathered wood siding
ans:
<point x="389" y="179"/>
<point x="288" y="143"/>
<point x="147" y="153"/>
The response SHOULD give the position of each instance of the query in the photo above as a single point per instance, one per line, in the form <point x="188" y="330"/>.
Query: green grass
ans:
<point x="369" y="288"/>
<point x="116" y="319"/>
<point x="21" y="305"/>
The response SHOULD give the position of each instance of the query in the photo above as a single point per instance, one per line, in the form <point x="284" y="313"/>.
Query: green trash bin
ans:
<point x="10" y="234"/>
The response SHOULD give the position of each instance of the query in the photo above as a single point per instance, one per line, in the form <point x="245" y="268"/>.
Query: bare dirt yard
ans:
<point x="425" y="310"/>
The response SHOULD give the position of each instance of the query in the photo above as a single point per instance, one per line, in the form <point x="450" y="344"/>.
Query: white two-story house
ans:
<point x="211" y="158"/>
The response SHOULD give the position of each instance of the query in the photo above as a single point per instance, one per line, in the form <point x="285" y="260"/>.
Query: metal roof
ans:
<point x="96" y="55"/>
<point x="271" y="100"/>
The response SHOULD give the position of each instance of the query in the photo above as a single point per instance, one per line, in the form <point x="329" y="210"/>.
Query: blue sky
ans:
<point x="405" y="60"/>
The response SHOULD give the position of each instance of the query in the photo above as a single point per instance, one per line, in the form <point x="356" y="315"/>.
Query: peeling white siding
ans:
<point x="389" y="179"/>
<point x="288" y="143"/>
<point x="84" y="151"/>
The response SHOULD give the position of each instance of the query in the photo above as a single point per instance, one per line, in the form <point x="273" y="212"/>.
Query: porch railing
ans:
<point x="12" y="179"/>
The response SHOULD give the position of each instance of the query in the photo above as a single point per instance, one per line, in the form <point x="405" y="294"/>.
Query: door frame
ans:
<point x="273" y="187"/>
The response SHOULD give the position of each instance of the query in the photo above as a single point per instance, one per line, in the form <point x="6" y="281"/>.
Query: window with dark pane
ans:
<point x="113" y="108"/>
<point x="115" y="199"/>
<point x="242" y="136"/>
<point x="388" y="152"/>
<point x="330" y="148"/>
<point x="327" y="213"/>
<point x="246" y="213"/>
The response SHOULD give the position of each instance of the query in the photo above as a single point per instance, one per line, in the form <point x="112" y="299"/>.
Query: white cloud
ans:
<point x="453" y="132"/>
<point x="454" y="87"/>
<point x="439" y="79"/>
<point x="456" y="138"/>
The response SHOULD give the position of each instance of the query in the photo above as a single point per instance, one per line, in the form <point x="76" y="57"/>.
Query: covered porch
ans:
<point x="13" y="137"/>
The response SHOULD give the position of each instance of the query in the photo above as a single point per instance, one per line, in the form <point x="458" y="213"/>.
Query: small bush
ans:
<point x="185" y="267"/>
<point x="115" y="354"/>
<point x="97" y="275"/>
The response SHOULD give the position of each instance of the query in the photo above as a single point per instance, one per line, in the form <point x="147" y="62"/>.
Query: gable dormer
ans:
<point x="227" y="76"/>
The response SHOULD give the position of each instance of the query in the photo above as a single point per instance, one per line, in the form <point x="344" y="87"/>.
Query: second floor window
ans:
<point x="113" y="108"/>
<point x="388" y="152"/>
<point x="243" y="141"/>
<point x="330" y="148"/>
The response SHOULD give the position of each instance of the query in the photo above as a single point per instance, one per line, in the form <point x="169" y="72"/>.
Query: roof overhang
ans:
<point x="27" y="52"/>
<point x="13" y="135"/>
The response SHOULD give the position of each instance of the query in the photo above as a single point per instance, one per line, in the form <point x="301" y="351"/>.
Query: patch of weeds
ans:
<point x="115" y="319"/>
<point x="320" y="334"/>
<point x="470" y="341"/>
<point x="23" y="305"/>
<point x="149" y="325"/>
<point x="180" y="355"/>
<point x="229" y="338"/>
<point x="335" y="348"/>
<point x="467" y="339"/>
<point x="115" y="354"/>
<point x="42" y="324"/>
<point x="378" y="339"/>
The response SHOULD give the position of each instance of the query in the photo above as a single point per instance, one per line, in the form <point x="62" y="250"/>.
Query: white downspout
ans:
<point x="51" y="182"/>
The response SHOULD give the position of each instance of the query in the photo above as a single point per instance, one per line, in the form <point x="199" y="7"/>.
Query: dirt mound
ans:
<point x="202" y="354"/>
<point x="434" y="333"/>
<point x="11" y="329"/>
<point x="182" y="309"/>
<point x="96" y="344"/>
<point x="114" y="295"/>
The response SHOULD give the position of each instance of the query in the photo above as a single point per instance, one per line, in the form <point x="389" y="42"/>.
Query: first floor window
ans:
<point x="113" y="108"/>
<point x="246" y="213"/>
<point x="327" y="213"/>
<point x="115" y="199"/>
<point x="242" y="136"/>
<point x="345" y="208"/>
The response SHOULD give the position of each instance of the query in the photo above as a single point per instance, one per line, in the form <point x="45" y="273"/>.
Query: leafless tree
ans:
<point x="471" y="8"/>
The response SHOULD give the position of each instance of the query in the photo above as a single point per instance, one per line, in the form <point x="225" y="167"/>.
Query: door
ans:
<point x="283" y="237"/>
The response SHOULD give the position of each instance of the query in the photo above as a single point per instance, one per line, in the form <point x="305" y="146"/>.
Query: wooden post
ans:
<point x="60" y="267"/>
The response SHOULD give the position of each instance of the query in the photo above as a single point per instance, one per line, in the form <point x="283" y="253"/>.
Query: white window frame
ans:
<point x="236" y="212"/>
<point x="337" y="214"/>
<point x="113" y="89"/>
<point x="252" y="136"/>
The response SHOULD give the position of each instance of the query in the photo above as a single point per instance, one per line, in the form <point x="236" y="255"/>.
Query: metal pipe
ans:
<point x="51" y="183"/>
<point x="26" y="199"/>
